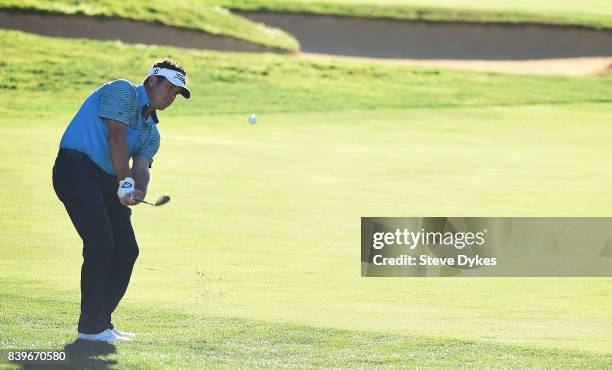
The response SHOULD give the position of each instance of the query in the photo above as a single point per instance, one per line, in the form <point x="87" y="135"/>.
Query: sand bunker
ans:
<point x="505" y="48"/>
<point x="387" y="38"/>
<point x="126" y="30"/>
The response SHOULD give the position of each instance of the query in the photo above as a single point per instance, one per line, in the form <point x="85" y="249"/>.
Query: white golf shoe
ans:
<point x="124" y="334"/>
<point x="105" y="336"/>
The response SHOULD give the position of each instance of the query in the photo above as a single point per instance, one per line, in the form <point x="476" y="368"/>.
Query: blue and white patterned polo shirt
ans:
<point x="122" y="101"/>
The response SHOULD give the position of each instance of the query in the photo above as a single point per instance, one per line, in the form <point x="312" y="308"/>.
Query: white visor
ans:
<point x="175" y="77"/>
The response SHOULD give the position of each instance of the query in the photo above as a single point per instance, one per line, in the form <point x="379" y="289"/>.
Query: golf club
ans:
<point x="159" y="202"/>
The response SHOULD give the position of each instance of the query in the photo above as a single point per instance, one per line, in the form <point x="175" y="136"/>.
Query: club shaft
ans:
<point x="144" y="201"/>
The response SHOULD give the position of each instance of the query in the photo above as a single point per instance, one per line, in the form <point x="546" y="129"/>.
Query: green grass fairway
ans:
<point x="591" y="13"/>
<point x="255" y="261"/>
<point x="262" y="238"/>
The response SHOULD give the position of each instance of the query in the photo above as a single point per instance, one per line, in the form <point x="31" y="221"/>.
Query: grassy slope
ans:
<point x="256" y="260"/>
<point x="183" y="13"/>
<point x="592" y="13"/>
<point x="244" y="83"/>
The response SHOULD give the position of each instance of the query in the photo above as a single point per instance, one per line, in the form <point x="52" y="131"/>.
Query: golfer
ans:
<point x="93" y="179"/>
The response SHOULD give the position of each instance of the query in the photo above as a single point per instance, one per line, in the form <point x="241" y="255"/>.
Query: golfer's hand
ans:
<point x="132" y="198"/>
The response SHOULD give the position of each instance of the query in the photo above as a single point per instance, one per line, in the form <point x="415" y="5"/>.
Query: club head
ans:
<point x="162" y="200"/>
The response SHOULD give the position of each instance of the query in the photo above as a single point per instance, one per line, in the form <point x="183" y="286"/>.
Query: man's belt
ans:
<point x="73" y="153"/>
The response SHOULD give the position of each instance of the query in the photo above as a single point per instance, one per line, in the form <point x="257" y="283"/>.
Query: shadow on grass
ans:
<point x="82" y="354"/>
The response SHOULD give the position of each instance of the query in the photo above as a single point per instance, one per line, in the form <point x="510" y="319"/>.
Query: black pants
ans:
<point x="109" y="246"/>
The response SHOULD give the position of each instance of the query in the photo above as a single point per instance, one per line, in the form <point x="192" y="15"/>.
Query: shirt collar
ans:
<point x="143" y="102"/>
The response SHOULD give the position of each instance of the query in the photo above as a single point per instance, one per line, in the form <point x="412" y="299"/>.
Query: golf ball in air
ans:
<point x="252" y="119"/>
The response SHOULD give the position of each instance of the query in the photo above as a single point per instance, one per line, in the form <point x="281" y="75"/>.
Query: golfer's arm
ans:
<point x="140" y="173"/>
<point x="118" y="148"/>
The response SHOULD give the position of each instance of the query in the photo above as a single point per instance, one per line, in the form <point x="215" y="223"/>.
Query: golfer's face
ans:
<point x="164" y="94"/>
